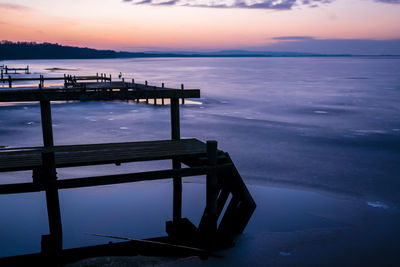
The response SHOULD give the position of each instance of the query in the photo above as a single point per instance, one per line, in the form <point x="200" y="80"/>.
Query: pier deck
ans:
<point x="18" y="159"/>
<point x="96" y="93"/>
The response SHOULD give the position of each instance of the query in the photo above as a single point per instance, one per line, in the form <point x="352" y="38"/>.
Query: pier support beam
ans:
<point x="183" y="99"/>
<point x="211" y="190"/>
<point x="176" y="164"/>
<point x="51" y="244"/>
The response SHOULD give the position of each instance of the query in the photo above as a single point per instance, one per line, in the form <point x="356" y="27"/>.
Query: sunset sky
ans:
<point x="330" y="26"/>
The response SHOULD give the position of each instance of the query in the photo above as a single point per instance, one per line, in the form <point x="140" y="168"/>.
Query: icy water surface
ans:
<point x="316" y="125"/>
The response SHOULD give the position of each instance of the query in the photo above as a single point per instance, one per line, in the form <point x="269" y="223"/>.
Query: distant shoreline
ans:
<point x="209" y="56"/>
<point x="46" y="51"/>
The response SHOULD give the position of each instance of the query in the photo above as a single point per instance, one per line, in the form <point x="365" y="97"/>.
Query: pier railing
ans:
<point x="69" y="80"/>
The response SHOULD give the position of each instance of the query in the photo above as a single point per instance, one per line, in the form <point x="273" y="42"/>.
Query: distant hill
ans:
<point x="32" y="50"/>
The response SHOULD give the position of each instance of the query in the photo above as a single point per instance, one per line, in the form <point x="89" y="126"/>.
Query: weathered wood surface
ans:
<point x="85" y="94"/>
<point x="94" y="154"/>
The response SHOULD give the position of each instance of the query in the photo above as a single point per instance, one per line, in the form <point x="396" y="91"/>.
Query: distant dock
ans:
<point x="96" y="82"/>
<point x="4" y="70"/>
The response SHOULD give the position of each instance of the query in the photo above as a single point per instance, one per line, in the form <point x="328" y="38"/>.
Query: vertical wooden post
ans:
<point x="47" y="127"/>
<point x="1" y="73"/>
<point x="175" y="120"/>
<point x="162" y="99"/>
<point x="183" y="99"/>
<point x="155" y="98"/>
<point x="110" y="77"/>
<point x="176" y="164"/>
<point x="51" y="244"/>
<point x="212" y="189"/>
<point x="147" y="99"/>
<point x="9" y="81"/>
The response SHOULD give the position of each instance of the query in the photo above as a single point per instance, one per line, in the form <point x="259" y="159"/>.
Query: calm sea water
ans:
<point x="328" y="125"/>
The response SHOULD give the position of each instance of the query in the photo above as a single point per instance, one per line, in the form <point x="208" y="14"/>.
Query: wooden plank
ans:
<point x="81" y="155"/>
<point x="114" y="179"/>
<point x="82" y="94"/>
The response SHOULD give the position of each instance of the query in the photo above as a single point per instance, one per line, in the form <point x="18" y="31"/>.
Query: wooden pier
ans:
<point x="7" y="70"/>
<point x="92" y="87"/>
<point x="69" y="80"/>
<point x="189" y="157"/>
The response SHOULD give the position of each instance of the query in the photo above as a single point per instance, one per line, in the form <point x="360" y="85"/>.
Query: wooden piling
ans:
<point x="176" y="164"/>
<point x="9" y="80"/>
<point x="41" y="81"/>
<point x="47" y="127"/>
<point x="51" y="244"/>
<point x="175" y="120"/>
<point x="155" y="98"/>
<point x="162" y="99"/>
<point x="183" y="99"/>
<point x="212" y="189"/>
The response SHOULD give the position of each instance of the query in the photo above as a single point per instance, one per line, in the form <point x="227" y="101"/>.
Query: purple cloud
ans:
<point x="310" y="44"/>
<point x="293" y="38"/>
<point x="257" y="4"/>
<point x="260" y="4"/>
<point x="388" y="1"/>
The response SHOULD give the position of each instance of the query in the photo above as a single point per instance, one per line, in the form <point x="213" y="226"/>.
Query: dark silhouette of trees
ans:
<point x="32" y="50"/>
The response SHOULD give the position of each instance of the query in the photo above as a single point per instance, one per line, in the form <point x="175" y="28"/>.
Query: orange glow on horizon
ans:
<point x="112" y="24"/>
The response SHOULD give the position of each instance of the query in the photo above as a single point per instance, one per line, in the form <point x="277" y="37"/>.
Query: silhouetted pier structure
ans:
<point x="6" y="70"/>
<point x="98" y="83"/>
<point x="190" y="157"/>
<point x="69" y="80"/>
